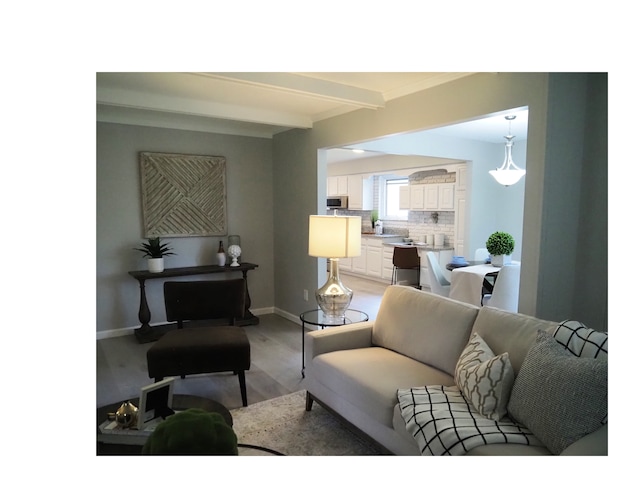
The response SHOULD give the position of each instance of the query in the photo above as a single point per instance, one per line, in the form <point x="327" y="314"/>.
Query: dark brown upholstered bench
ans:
<point x="194" y="350"/>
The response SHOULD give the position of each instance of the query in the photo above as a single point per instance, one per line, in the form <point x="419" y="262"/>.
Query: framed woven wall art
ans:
<point x="183" y="195"/>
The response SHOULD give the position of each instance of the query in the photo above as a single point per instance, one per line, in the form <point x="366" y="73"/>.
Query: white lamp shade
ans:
<point x="334" y="236"/>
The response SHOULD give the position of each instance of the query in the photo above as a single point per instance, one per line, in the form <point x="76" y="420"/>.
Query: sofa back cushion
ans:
<point x="426" y="327"/>
<point x="510" y="332"/>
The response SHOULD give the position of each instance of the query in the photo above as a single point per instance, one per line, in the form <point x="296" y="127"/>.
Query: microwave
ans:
<point x="338" y="202"/>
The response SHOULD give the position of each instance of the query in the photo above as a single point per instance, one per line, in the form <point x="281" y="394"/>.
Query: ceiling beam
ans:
<point x="307" y="87"/>
<point x="164" y="103"/>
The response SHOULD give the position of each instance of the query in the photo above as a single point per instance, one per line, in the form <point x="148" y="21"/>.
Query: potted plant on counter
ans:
<point x="374" y="218"/>
<point x="156" y="252"/>
<point x="500" y="246"/>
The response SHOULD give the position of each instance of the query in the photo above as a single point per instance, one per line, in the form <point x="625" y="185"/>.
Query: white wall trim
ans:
<point x="121" y="332"/>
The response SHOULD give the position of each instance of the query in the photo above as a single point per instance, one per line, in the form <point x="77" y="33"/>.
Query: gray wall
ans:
<point x="119" y="217"/>
<point x="552" y="213"/>
<point x="564" y="223"/>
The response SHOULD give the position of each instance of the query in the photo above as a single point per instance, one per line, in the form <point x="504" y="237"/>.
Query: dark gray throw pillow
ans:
<point x="558" y="396"/>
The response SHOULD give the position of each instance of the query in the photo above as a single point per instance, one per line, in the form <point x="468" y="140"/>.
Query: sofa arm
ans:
<point x="347" y="337"/>
<point x="593" y="444"/>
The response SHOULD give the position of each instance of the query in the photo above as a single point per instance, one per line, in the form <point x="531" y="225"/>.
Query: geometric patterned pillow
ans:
<point x="484" y="379"/>
<point x="558" y="396"/>
<point x="582" y="341"/>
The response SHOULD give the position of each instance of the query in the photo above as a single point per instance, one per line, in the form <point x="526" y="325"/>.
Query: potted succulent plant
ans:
<point x="500" y="246"/>
<point x="156" y="251"/>
<point x="374" y="218"/>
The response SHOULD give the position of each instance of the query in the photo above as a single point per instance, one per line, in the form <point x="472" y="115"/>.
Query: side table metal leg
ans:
<point x="302" y="371"/>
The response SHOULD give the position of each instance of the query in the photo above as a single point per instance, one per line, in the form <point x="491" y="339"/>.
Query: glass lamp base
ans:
<point x="333" y="297"/>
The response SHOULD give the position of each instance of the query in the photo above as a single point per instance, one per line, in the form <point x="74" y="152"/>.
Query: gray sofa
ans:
<point x="416" y="340"/>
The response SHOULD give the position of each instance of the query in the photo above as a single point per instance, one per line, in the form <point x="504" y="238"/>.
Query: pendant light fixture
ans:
<point x="508" y="173"/>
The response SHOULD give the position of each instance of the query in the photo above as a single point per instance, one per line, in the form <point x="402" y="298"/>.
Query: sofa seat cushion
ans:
<point x="442" y="422"/>
<point x="369" y="378"/>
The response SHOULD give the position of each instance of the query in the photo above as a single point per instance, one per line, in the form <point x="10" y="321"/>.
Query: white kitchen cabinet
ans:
<point x="359" y="264"/>
<point x="387" y="262"/>
<point x="360" y="188"/>
<point x="374" y="258"/>
<point x="461" y="178"/>
<point x="461" y="207"/>
<point x="417" y="197"/>
<point x="460" y="210"/>
<point x="338" y="185"/>
<point x="405" y="197"/>
<point x="345" y="264"/>
<point x="432" y="196"/>
<point x="446" y="196"/>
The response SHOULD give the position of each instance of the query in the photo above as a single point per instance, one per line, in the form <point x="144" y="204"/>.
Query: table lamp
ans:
<point x="334" y="237"/>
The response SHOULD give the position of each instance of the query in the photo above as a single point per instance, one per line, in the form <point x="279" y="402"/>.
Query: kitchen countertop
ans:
<point x="383" y="235"/>
<point x="420" y="246"/>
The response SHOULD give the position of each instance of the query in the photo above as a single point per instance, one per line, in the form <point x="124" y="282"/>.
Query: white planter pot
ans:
<point x="500" y="260"/>
<point x="155" y="265"/>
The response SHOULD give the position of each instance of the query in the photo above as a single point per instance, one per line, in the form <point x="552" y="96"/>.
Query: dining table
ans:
<point x="467" y="282"/>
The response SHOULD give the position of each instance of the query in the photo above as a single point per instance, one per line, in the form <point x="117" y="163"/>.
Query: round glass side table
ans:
<point x="318" y="318"/>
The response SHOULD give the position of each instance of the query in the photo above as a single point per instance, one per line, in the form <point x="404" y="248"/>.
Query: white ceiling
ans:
<point x="264" y="104"/>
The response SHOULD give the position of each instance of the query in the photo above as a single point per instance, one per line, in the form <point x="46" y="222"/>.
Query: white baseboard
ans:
<point x="121" y="332"/>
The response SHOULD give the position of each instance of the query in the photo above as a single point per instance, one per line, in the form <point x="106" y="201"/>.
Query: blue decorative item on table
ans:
<point x="459" y="261"/>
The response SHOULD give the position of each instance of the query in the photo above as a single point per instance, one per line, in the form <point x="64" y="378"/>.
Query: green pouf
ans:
<point x="192" y="432"/>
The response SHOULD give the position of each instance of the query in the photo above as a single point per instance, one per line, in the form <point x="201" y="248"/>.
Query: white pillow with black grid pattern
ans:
<point x="581" y="340"/>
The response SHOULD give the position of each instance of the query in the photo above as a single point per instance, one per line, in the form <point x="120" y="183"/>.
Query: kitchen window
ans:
<point x="390" y="200"/>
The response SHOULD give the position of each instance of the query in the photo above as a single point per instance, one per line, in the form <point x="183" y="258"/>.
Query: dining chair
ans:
<point x="190" y="350"/>
<point x="439" y="284"/>
<point x="505" y="290"/>
<point x="406" y="258"/>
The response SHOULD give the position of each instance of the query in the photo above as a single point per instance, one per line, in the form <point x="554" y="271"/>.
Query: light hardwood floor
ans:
<point x="276" y="349"/>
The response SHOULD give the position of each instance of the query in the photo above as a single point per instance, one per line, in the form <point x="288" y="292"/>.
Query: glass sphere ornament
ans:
<point x="235" y="251"/>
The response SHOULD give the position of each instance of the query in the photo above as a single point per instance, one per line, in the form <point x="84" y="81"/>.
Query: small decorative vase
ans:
<point x="222" y="258"/>
<point x="500" y="260"/>
<point x="235" y="251"/>
<point x="155" y="265"/>
<point x="127" y="415"/>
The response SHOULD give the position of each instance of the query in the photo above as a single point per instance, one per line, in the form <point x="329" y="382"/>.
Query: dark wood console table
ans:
<point x="146" y="333"/>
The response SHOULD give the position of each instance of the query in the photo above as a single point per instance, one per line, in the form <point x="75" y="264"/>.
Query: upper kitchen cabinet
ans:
<point x="338" y="186"/>
<point x="404" y="202"/>
<point x="360" y="192"/>
<point x="432" y="196"/>
<point x="359" y="189"/>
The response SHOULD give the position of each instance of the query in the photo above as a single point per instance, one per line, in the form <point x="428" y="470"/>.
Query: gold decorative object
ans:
<point x="127" y="415"/>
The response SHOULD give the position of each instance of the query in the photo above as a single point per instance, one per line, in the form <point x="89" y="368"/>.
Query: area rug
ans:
<point x="282" y="424"/>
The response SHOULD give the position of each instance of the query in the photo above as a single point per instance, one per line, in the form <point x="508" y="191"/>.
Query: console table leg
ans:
<point x="248" y="318"/>
<point x="145" y="333"/>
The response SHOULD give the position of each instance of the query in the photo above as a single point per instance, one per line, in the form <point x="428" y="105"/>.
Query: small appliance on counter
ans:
<point x="378" y="227"/>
